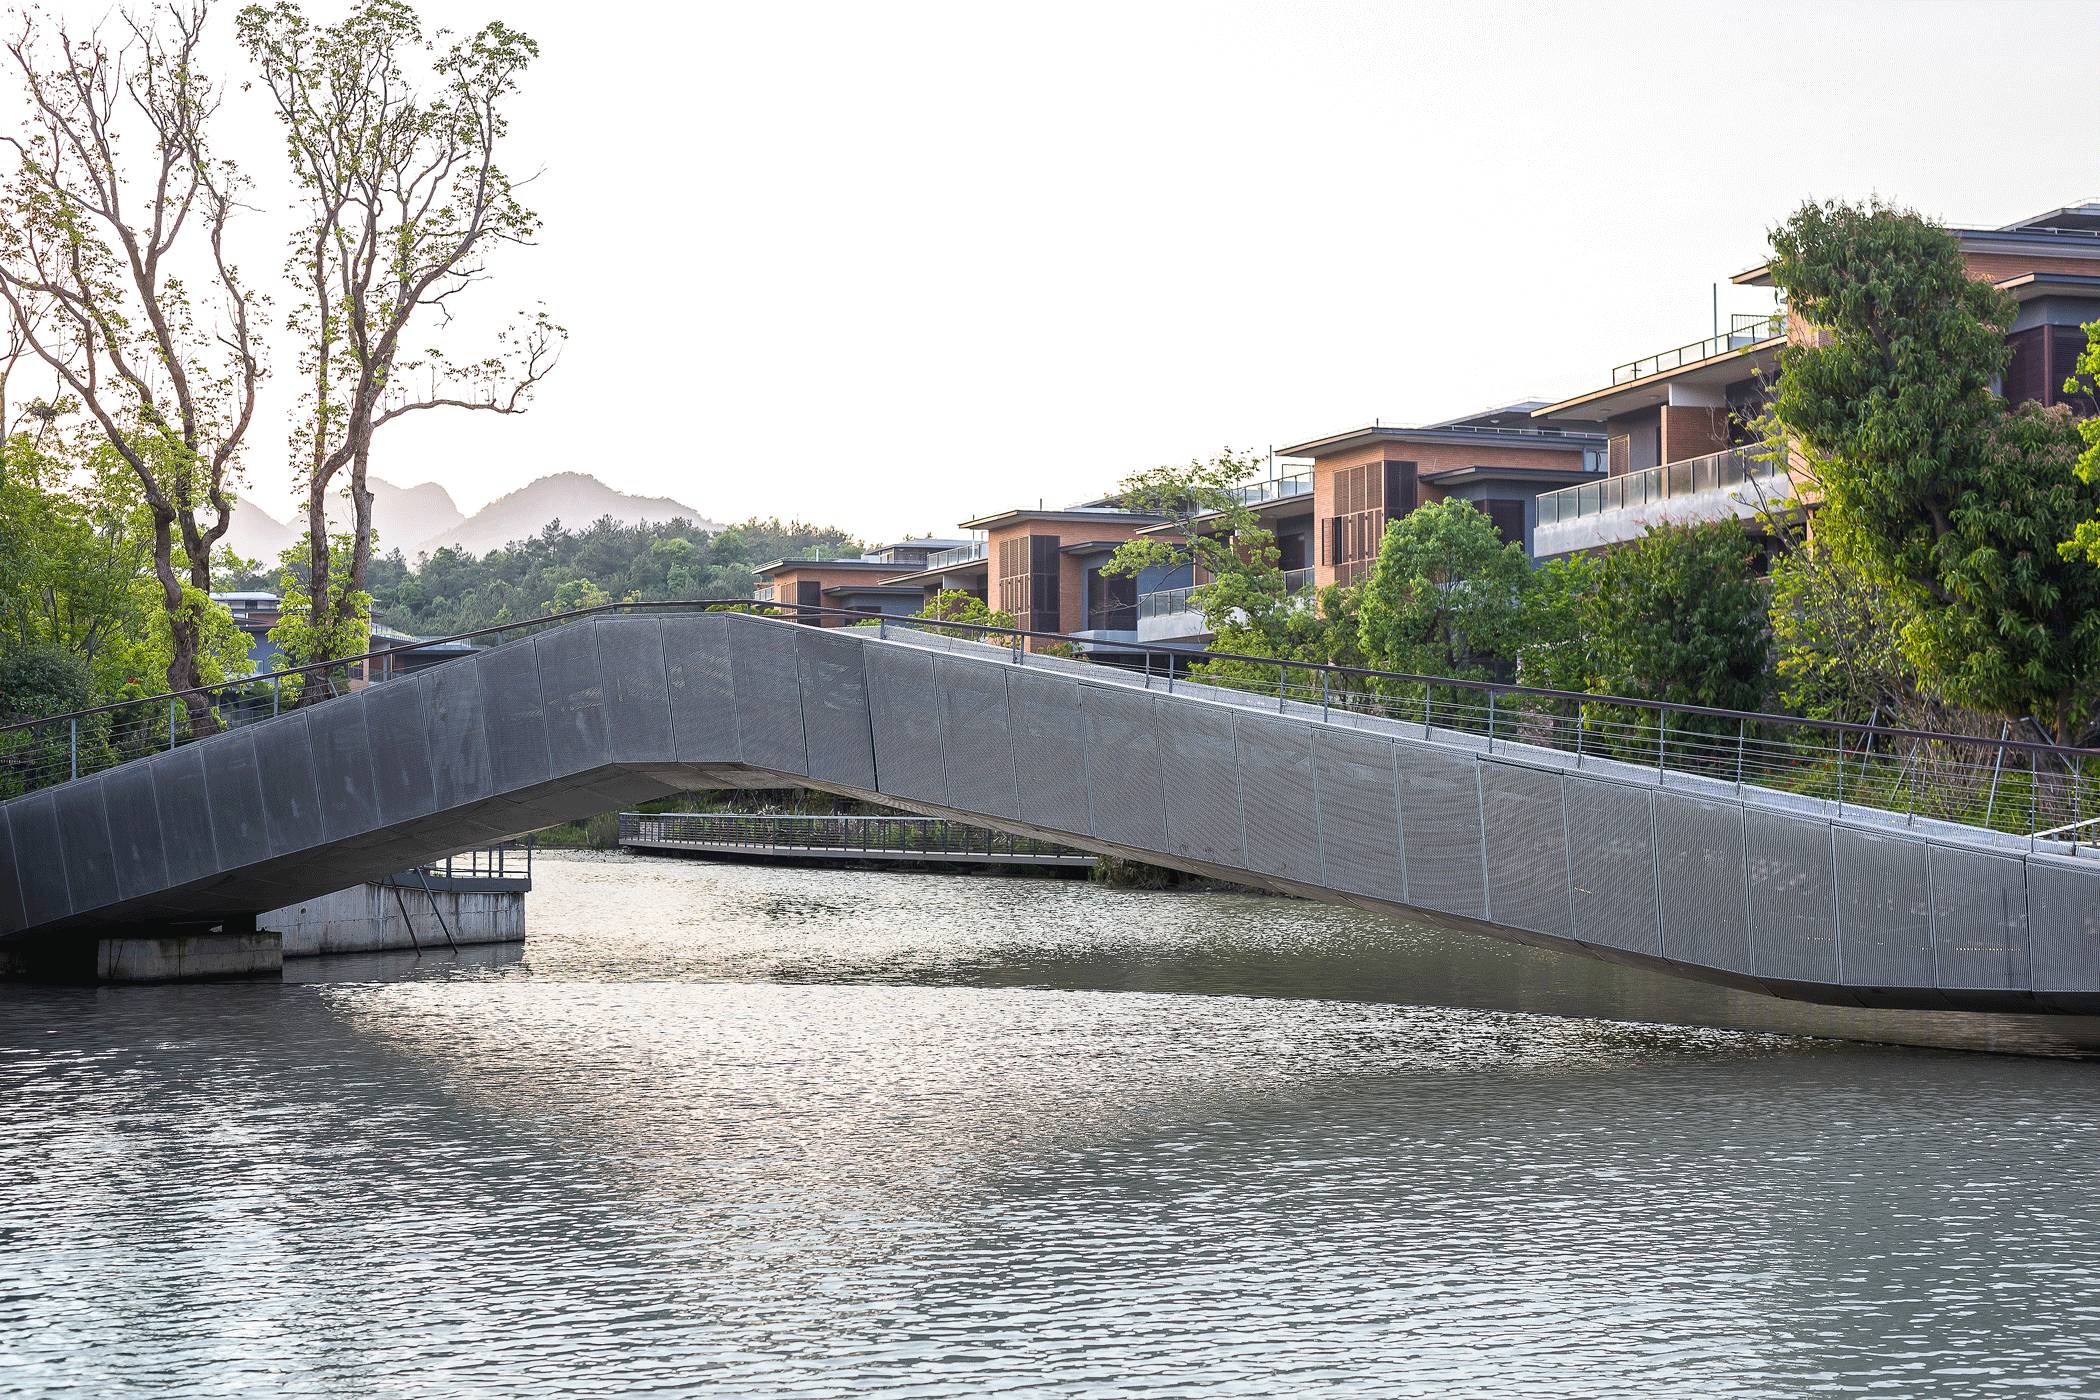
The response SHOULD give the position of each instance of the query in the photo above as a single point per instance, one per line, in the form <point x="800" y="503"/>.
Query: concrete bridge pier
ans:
<point x="233" y="947"/>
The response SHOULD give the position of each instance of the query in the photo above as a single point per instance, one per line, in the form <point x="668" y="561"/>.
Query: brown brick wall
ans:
<point x="1429" y="458"/>
<point x="1692" y="432"/>
<point x="1070" y="609"/>
<point x="1996" y="267"/>
<point x="785" y="580"/>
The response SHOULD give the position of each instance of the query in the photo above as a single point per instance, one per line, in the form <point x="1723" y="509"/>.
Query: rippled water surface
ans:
<point x="751" y="1132"/>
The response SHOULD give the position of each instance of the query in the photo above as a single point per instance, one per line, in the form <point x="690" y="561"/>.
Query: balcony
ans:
<point x="1739" y="484"/>
<point x="1167" y="615"/>
<point x="1743" y="332"/>
<point x="1276" y="488"/>
<point x="942" y="558"/>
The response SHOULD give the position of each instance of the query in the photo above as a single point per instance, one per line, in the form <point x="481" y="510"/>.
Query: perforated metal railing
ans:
<point x="2004" y="783"/>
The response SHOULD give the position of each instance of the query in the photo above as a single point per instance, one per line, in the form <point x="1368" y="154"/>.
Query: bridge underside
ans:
<point x="1761" y="892"/>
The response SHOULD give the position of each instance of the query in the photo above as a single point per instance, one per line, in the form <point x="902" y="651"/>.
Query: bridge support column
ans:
<point x="236" y="949"/>
<point x="231" y="948"/>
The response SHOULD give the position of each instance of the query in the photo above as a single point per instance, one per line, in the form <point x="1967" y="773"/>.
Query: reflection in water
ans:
<point x="738" y="1131"/>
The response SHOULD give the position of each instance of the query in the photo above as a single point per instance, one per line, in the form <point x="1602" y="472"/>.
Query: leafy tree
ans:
<point x="1837" y="637"/>
<point x="306" y="636"/>
<point x="1955" y="504"/>
<point x="1679" y="615"/>
<point x="1554" y="653"/>
<point x="394" y="136"/>
<point x="35" y="682"/>
<point x="574" y="595"/>
<point x="116" y="276"/>
<point x="954" y="605"/>
<point x="78" y="575"/>
<point x="1206" y="526"/>
<point x="1446" y="596"/>
<point x="2086" y="540"/>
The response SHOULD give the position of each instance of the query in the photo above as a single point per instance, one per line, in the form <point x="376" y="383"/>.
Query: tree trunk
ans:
<point x="185" y="676"/>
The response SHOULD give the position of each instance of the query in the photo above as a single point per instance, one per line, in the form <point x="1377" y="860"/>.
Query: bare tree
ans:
<point x="116" y="277"/>
<point x="394" y="140"/>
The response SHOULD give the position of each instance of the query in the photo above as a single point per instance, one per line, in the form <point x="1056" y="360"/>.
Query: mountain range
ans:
<point x="422" y="519"/>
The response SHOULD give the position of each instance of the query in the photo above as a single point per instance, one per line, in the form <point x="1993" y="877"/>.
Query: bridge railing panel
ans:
<point x="2006" y="783"/>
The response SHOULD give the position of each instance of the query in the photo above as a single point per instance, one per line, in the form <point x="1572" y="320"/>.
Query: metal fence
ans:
<point x="875" y="836"/>
<point x="2006" y="783"/>
<point x="506" y="860"/>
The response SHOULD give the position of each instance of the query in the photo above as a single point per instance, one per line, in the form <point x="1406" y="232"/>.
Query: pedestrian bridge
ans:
<point x="1727" y="882"/>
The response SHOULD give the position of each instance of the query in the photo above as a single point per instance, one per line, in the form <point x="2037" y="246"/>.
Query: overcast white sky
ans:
<point x="890" y="265"/>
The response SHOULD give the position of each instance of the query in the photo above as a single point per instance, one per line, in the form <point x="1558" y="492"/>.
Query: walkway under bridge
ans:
<point x="1512" y="814"/>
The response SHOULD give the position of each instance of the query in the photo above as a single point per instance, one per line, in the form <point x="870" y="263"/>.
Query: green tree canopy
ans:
<point x="1956" y="505"/>
<point x="1679" y="615"/>
<point x="1446" y="596"/>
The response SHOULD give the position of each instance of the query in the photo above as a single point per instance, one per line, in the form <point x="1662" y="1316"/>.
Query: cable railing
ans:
<point x="2026" y="788"/>
<point x="879" y="836"/>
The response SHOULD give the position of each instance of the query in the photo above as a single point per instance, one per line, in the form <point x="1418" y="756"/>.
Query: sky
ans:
<point x="890" y="266"/>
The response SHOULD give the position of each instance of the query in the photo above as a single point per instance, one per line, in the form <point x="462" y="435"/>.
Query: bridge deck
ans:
<point x="1750" y="886"/>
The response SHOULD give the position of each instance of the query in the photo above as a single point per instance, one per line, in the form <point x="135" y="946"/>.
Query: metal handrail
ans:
<point x="1187" y="655"/>
<point x="1743" y="332"/>
<point x="1914" y="774"/>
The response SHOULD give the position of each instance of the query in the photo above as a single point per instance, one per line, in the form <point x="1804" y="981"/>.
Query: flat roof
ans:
<point x="1572" y="475"/>
<point x="1537" y="439"/>
<point x="942" y="571"/>
<point x="1652" y="389"/>
<point x="2014" y="238"/>
<point x="781" y="565"/>
<point x="889" y="587"/>
<point x="1074" y="515"/>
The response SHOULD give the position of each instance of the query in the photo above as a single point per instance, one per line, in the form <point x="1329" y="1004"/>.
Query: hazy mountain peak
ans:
<point x="420" y="519"/>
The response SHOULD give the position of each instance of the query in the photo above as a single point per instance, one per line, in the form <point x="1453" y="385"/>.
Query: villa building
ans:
<point x="1681" y="423"/>
<point x="1669" y="438"/>
<point x="867" y="583"/>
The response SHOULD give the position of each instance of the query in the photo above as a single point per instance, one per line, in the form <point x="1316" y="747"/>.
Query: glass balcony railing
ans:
<point x="1276" y="488"/>
<point x="1166" y="602"/>
<point x="942" y="558"/>
<point x="1743" y="331"/>
<point x="1721" y="471"/>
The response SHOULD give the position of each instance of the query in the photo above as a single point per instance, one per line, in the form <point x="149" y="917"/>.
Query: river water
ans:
<point x="732" y="1131"/>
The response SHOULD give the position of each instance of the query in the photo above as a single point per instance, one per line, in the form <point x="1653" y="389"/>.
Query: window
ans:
<point x="2066" y="344"/>
<point x="1508" y="517"/>
<point x="1111" y="602"/>
<point x="2027" y="374"/>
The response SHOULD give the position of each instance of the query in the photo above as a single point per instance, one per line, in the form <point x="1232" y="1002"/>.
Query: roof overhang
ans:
<point x="1653" y="389"/>
<point x="781" y="566"/>
<point x="945" y="572"/>
<point x="1536" y="476"/>
<point x="2032" y="286"/>
<point x="1001" y="519"/>
<point x="2011" y="241"/>
<point x="1520" y="439"/>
